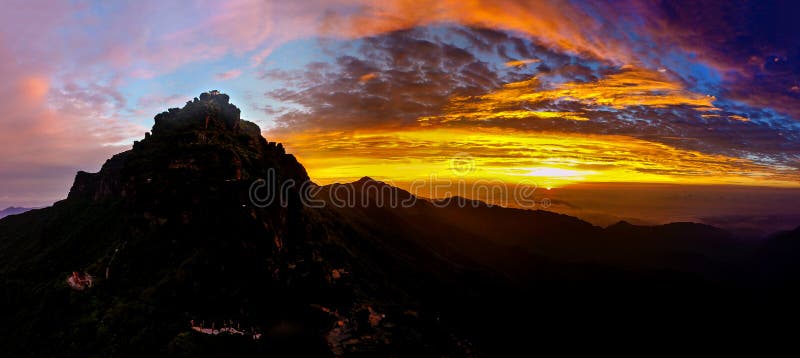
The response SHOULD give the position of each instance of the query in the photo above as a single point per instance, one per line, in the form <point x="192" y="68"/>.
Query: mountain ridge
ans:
<point x="168" y="234"/>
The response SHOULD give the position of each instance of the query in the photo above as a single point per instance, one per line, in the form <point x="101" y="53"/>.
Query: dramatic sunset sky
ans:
<point x="553" y="92"/>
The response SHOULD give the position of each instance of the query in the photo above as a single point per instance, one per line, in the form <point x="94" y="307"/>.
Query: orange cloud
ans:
<point x="556" y="23"/>
<point x="242" y="26"/>
<point x="629" y="87"/>
<point x="520" y="63"/>
<point x="368" y="77"/>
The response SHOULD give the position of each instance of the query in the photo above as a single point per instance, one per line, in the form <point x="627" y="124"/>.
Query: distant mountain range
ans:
<point x="169" y="243"/>
<point x="13" y="210"/>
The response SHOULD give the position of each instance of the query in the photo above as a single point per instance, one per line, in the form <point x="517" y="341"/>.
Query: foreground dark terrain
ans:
<point x="169" y="235"/>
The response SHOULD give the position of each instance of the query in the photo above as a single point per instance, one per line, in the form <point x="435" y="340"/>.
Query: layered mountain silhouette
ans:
<point x="165" y="252"/>
<point x="13" y="210"/>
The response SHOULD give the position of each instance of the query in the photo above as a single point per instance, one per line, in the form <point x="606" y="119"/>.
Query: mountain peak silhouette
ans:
<point x="205" y="141"/>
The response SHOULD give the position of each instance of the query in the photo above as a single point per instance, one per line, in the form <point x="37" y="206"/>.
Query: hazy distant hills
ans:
<point x="459" y="223"/>
<point x="170" y="233"/>
<point x="13" y="211"/>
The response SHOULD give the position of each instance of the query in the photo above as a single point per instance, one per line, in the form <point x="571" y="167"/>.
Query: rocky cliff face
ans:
<point x="206" y="138"/>
<point x="104" y="184"/>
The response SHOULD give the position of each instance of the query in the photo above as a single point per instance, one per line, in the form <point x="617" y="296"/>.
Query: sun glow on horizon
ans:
<point x="513" y="156"/>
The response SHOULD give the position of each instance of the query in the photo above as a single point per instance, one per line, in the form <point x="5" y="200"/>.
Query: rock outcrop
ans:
<point x="206" y="138"/>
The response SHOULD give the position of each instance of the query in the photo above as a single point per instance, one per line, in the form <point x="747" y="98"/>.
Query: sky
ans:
<point x="553" y="93"/>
